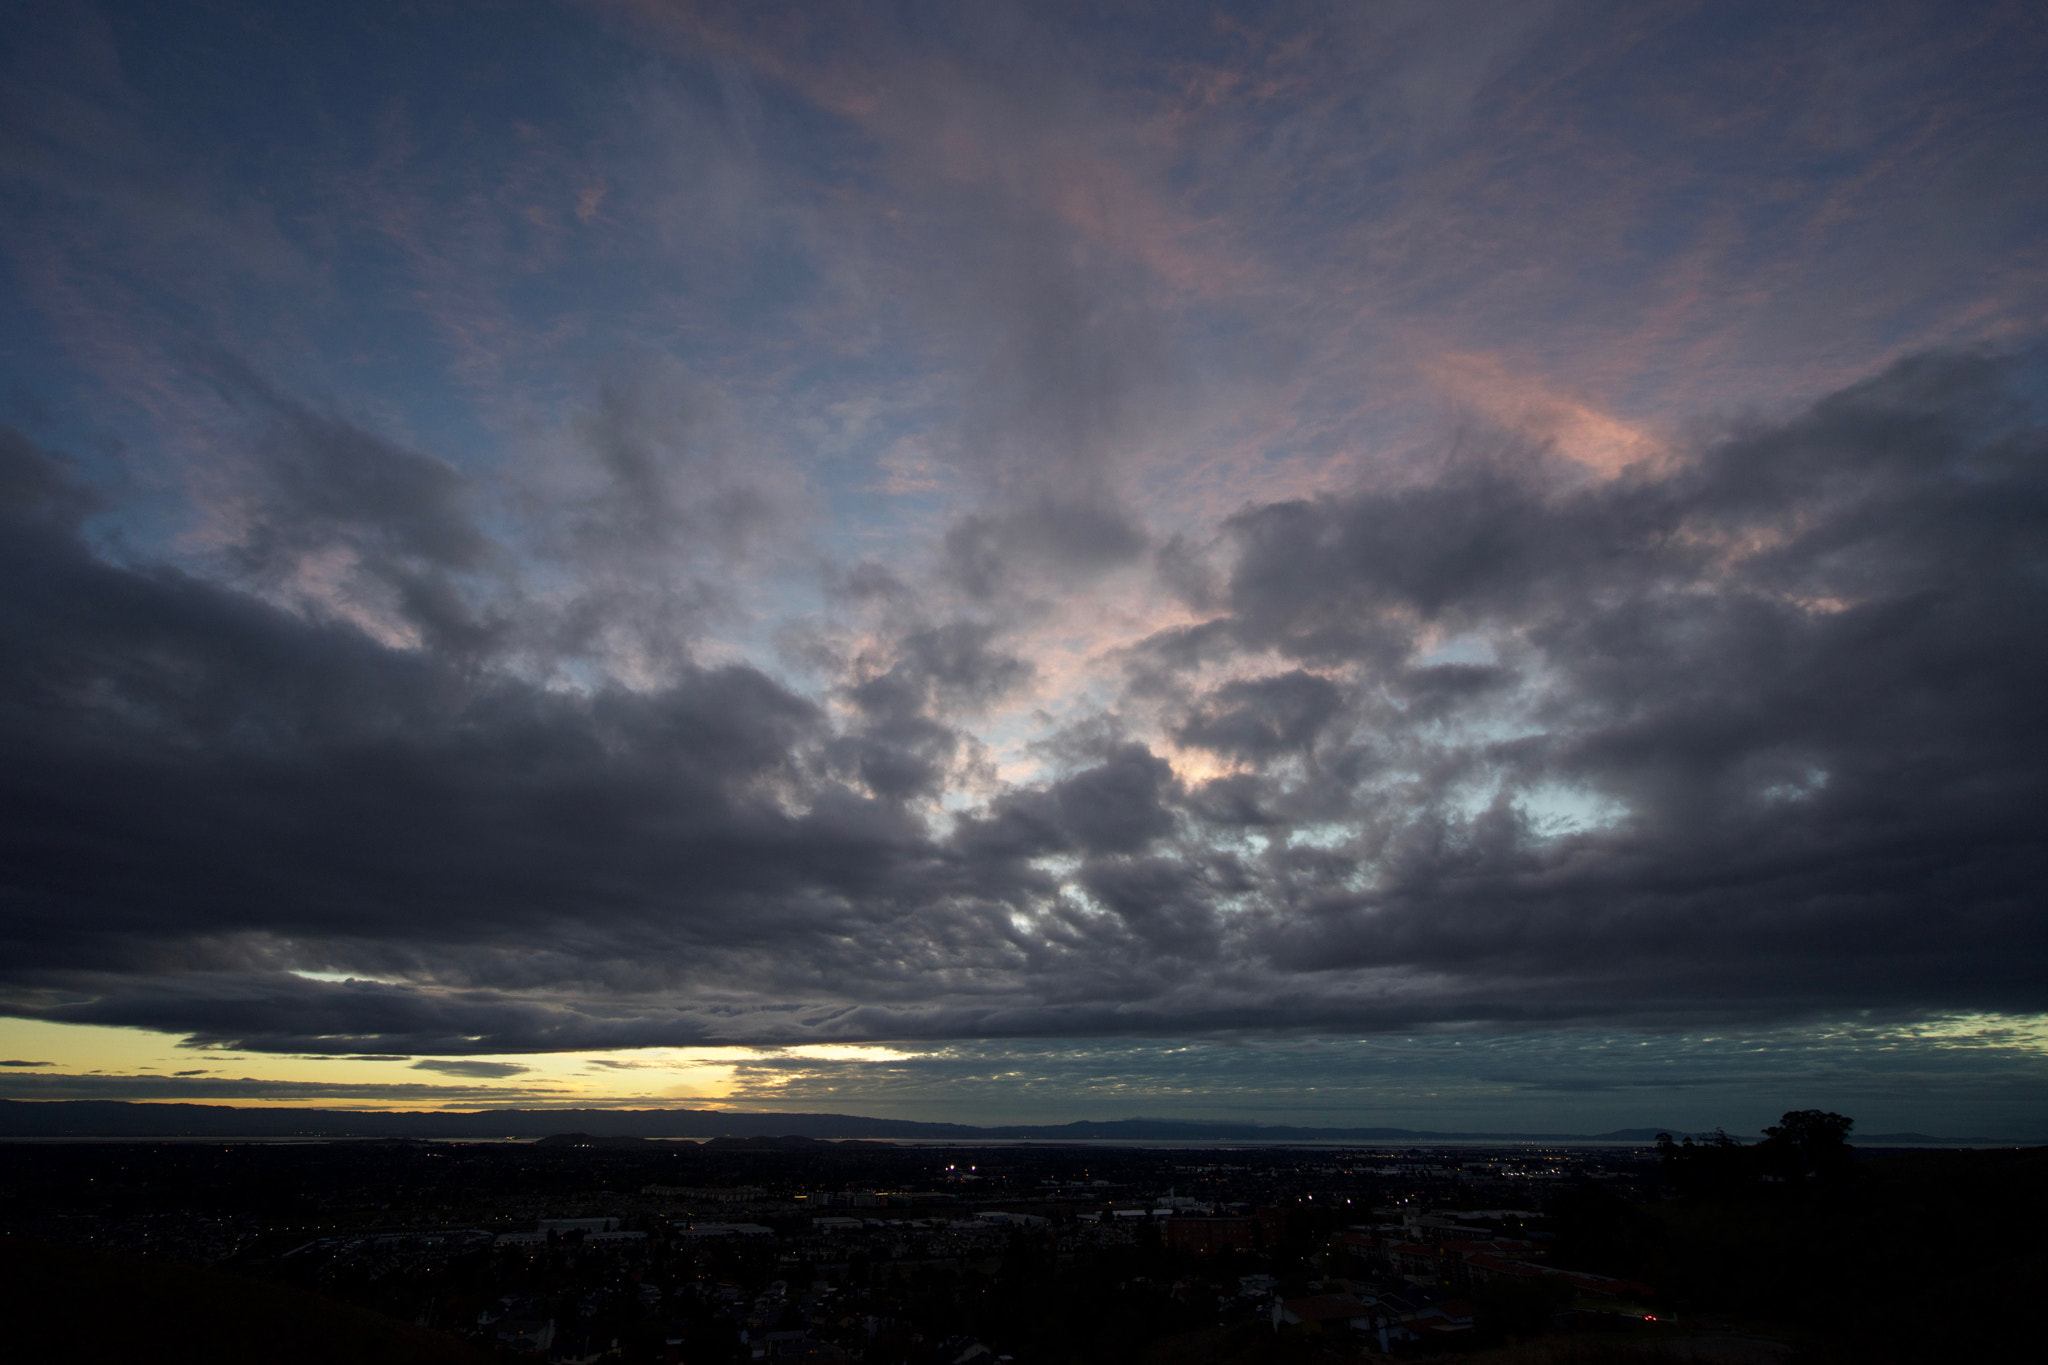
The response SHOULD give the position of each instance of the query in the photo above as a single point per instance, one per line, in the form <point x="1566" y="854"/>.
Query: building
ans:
<point x="1207" y="1236"/>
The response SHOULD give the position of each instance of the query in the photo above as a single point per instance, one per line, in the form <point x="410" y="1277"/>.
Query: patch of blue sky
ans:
<point x="1059" y="866"/>
<point x="1460" y="649"/>
<point x="1555" y="809"/>
<point x="1805" y="787"/>
<point x="1328" y="834"/>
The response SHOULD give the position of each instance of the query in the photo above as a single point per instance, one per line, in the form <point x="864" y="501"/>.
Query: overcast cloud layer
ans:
<point x="642" y="524"/>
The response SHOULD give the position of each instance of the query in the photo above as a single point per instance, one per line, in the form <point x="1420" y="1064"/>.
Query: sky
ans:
<point x="1460" y="565"/>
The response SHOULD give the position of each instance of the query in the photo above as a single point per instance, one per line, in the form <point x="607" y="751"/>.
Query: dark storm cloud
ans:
<point x="1258" y="719"/>
<point x="342" y="520"/>
<point x="330" y="479"/>
<point x="474" y="1070"/>
<point x="1805" y="671"/>
<point x="899" y="750"/>
<point x="1166" y="903"/>
<point x="188" y="762"/>
<point x="277" y="1012"/>
<point x="1753" y="735"/>
<point x="1185" y="573"/>
<point x="188" y="1088"/>
<point x="1118" y="805"/>
<point x="955" y="666"/>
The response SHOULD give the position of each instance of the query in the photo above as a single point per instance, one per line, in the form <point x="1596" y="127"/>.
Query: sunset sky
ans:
<point x="1427" y="563"/>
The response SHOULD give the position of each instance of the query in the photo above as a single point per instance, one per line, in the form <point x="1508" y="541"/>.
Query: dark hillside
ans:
<point x="73" y="1304"/>
<point x="1907" y="1257"/>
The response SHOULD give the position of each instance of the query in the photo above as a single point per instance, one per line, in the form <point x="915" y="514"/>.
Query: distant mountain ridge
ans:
<point x="120" y="1118"/>
<point x="123" y="1118"/>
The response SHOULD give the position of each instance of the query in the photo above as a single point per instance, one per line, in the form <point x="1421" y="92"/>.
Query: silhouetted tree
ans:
<point x="1716" y="1166"/>
<point x="1808" y="1144"/>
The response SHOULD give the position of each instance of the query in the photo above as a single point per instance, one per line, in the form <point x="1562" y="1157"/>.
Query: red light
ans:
<point x="1649" y="1317"/>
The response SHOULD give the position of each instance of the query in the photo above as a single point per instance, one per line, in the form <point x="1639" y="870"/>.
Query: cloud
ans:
<point x="1046" y="525"/>
<point x="1757" y="739"/>
<point x="191" y="1088"/>
<point x="335" y="519"/>
<point x="1116" y="805"/>
<point x="1258" y="719"/>
<point x="1044" y="542"/>
<point x="900" y="748"/>
<point x="481" y="1071"/>
<point x="330" y="479"/>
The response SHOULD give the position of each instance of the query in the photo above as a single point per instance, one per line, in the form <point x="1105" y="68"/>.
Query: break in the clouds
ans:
<point x="597" y="527"/>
